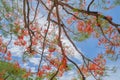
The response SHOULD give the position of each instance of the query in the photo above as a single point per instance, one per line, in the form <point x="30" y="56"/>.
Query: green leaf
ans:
<point x="11" y="70"/>
<point x="38" y="78"/>
<point x="75" y="10"/>
<point x="81" y="37"/>
<point x="117" y="2"/>
<point x="70" y="66"/>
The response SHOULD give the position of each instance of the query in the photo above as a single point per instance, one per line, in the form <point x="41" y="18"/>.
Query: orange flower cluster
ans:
<point x="102" y="41"/>
<point x="98" y="67"/>
<point x="3" y="49"/>
<point x="40" y="73"/>
<point x="20" y="41"/>
<point x="45" y="67"/>
<point x="27" y="74"/>
<point x="63" y="66"/>
<point x="8" y="56"/>
<point x="2" y="45"/>
<point x="69" y="20"/>
<point x="54" y="62"/>
<point x="81" y="27"/>
<point x="16" y="65"/>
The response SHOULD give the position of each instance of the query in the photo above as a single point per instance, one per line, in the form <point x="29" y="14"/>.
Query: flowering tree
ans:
<point x="40" y="28"/>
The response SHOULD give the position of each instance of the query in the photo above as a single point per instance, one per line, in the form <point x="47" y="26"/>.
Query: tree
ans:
<point x="21" y="26"/>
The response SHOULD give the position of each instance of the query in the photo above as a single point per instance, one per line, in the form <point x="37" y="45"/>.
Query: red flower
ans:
<point x="8" y="58"/>
<point x="46" y="67"/>
<point x="93" y="66"/>
<point x="80" y="26"/>
<point x="40" y="73"/>
<point x="27" y="74"/>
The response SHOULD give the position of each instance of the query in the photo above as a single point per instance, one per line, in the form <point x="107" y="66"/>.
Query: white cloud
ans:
<point x="33" y="69"/>
<point x="71" y="51"/>
<point x="34" y="60"/>
<point x="113" y="75"/>
<point x="27" y="66"/>
<point x="68" y="76"/>
<point x="16" y="51"/>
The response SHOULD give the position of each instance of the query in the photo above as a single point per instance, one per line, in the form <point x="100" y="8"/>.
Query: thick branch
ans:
<point x="24" y="12"/>
<point x="88" y="9"/>
<point x="93" y="13"/>
<point x="45" y="36"/>
<point x="36" y="9"/>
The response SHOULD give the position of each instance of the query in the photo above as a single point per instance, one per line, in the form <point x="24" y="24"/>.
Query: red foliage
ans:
<point x="98" y="67"/>
<point x="17" y="65"/>
<point x="40" y="73"/>
<point x="46" y="67"/>
<point x="80" y="26"/>
<point x="62" y="66"/>
<point x="1" y="78"/>
<point x="27" y="74"/>
<point x="88" y="29"/>
<point x="20" y="41"/>
<point x="8" y="56"/>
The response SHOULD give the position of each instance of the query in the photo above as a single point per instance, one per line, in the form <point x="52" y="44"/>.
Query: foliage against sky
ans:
<point x="49" y="30"/>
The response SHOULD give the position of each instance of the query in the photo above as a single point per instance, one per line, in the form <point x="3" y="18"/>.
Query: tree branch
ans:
<point x="93" y="13"/>
<point x="45" y="36"/>
<point x="88" y="9"/>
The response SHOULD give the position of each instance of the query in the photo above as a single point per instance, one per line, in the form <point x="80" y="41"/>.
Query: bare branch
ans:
<point x="36" y="9"/>
<point x="88" y="9"/>
<point x="45" y="37"/>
